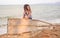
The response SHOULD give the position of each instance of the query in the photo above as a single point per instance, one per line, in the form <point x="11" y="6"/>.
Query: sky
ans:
<point x="7" y="2"/>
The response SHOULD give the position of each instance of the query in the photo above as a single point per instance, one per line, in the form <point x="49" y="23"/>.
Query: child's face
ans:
<point x="28" y="7"/>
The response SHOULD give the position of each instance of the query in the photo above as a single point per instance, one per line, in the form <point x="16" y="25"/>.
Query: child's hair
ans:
<point x="26" y="9"/>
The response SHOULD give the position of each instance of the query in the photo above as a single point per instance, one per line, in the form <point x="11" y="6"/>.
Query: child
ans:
<point x="27" y="12"/>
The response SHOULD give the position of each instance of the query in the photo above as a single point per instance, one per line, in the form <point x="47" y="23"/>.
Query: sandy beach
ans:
<point x="20" y="28"/>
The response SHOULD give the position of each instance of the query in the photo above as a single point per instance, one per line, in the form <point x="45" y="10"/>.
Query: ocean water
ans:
<point x="46" y="12"/>
<point x="50" y="13"/>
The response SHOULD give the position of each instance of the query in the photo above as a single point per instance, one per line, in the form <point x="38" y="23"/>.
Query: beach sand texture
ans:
<point x="22" y="28"/>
